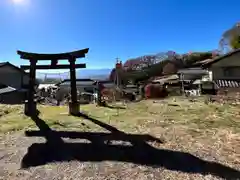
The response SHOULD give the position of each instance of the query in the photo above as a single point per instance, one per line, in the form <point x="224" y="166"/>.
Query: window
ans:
<point x="231" y="71"/>
<point x="227" y="72"/>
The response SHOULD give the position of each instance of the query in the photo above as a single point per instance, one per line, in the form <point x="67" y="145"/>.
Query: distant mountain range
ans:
<point x="93" y="73"/>
<point x="81" y="74"/>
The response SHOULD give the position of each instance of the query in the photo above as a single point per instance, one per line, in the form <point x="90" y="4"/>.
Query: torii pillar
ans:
<point x="74" y="105"/>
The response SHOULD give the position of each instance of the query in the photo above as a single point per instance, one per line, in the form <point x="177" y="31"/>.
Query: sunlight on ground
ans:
<point x="210" y="132"/>
<point x="136" y="117"/>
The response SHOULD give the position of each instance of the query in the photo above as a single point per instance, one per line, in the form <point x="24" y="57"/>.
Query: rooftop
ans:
<point x="196" y="70"/>
<point x="214" y="60"/>
<point x="5" y="89"/>
<point x="2" y="64"/>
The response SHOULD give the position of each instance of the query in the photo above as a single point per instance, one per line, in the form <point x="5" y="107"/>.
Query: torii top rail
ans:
<point x="60" y="56"/>
<point x="30" y="107"/>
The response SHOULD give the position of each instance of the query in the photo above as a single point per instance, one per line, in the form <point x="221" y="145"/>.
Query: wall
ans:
<point x="84" y="85"/>
<point x="11" y="77"/>
<point x="12" y="98"/>
<point x="230" y="61"/>
<point x="79" y="87"/>
<point x="25" y="79"/>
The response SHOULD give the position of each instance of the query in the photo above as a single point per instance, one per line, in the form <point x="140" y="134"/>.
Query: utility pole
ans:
<point x="118" y="66"/>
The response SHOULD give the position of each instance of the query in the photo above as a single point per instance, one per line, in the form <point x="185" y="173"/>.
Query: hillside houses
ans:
<point x="221" y="74"/>
<point x="218" y="75"/>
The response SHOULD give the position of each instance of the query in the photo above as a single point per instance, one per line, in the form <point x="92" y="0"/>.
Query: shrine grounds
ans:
<point x="172" y="138"/>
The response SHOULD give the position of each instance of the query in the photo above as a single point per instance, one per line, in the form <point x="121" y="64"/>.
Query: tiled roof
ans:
<point x="227" y="83"/>
<point x="210" y="62"/>
<point x="15" y="67"/>
<point x="192" y="71"/>
<point x="3" y="63"/>
<point x="203" y="62"/>
<point x="165" y="79"/>
<point x="7" y="89"/>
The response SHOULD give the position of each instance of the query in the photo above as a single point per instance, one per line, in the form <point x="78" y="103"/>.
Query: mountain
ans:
<point x="101" y="74"/>
<point x="93" y="73"/>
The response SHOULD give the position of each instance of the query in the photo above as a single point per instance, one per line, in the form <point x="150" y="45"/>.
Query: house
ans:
<point x="12" y="83"/>
<point x="192" y="79"/>
<point x="220" y="74"/>
<point x="167" y="79"/>
<point x="10" y="95"/>
<point x="84" y="85"/>
<point x="13" y="76"/>
<point x="225" y="72"/>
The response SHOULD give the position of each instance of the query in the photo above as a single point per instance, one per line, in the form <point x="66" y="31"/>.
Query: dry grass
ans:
<point x="211" y="132"/>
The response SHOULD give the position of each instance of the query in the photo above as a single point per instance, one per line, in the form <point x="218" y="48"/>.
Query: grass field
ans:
<point x="195" y="141"/>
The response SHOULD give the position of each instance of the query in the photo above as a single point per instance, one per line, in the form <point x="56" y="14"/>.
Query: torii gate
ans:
<point x="30" y="104"/>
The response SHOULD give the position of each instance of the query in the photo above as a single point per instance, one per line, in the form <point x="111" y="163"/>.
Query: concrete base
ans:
<point x="74" y="108"/>
<point x="30" y="109"/>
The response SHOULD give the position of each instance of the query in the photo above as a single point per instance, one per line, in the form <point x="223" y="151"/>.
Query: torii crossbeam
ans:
<point x="30" y="105"/>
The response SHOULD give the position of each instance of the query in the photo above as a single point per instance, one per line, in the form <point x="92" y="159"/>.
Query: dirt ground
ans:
<point x="165" y="139"/>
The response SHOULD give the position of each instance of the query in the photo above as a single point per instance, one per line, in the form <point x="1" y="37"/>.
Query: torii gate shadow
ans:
<point x="139" y="152"/>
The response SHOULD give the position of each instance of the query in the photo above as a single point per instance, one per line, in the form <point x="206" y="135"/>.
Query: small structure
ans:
<point x="225" y="72"/>
<point x="218" y="75"/>
<point x="30" y="105"/>
<point x="13" y="76"/>
<point x="10" y="95"/>
<point x="82" y="85"/>
<point x="192" y="79"/>
<point x="167" y="79"/>
<point x="13" y="83"/>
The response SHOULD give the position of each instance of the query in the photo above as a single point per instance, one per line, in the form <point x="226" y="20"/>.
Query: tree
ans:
<point x="139" y="63"/>
<point x="235" y="42"/>
<point x="122" y="76"/>
<point x="169" y="68"/>
<point x="230" y="38"/>
<point x="131" y="64"/>
<point x="112" y="75"/>
<point x="191" y="58"/>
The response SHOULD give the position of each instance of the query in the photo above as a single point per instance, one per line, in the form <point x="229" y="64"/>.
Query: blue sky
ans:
<point x="113" y="28"/>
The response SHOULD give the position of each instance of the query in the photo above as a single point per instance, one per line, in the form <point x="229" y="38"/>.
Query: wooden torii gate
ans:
<point x="30" y="104"/>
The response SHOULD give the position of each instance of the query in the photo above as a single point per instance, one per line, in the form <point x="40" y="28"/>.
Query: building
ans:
<point x="13" y="76"/>
<point x="226" y="67"/>
<point x="10" y="95"/>
<point x="225" y="72"/>
<point x="12" y="83"/>
<point x="84" y="85"/>
<point x="221" y="74"/>
<point x="195" y="78"/>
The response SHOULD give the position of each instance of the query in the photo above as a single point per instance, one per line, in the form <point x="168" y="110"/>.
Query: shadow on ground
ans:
<point x="102" y="148"/>
<point x="114" y="107"/>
